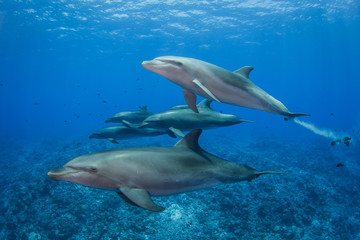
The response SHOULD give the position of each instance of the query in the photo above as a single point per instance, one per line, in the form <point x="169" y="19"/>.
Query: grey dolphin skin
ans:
<point x="210" y="81"/>
<point x="137" y="173"/>
<point x="130" y="116"/>
<point x="182" y="118"/>
<point x="128" y="131"/>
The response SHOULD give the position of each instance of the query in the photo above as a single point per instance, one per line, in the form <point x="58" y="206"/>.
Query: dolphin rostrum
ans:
<point x="182" y="118"/>
<point x="137" y="173"/>
<point x="210" y="81"/>
<point x="128" y="131"/>
<point x="131" y="116"/>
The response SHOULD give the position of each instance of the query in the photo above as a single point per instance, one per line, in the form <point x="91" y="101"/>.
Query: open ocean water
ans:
<point x="66" y="66"/>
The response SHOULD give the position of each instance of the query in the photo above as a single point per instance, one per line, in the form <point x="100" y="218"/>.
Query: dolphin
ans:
<point x="182" y="118"/>
<point x="130" y="116"/>
<point x="136" y="174"/>
<point x="128" y="131"/>
<point x="210" y="81"/>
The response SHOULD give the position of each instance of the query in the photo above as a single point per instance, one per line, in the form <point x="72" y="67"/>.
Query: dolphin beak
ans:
<point x="146" y="62"/>
<point x="149" y="65"/>
<point x="58" y="174"/>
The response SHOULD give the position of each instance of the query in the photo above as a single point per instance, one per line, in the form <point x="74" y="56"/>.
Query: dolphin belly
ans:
<point x="175" y="187"/>
<point x="253" y="97"/>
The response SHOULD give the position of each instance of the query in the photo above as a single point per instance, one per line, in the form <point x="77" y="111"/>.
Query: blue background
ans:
<point x="62" y="55"/>
<point x="66" y="66"/>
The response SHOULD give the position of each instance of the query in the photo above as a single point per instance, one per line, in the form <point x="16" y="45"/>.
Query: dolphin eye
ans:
<point x="179" y="64"/>
<point x="93" y="169"/>
<point x="176" y="63"/>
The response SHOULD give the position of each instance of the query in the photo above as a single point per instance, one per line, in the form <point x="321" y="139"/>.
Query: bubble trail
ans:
<point x="322" y="132"/>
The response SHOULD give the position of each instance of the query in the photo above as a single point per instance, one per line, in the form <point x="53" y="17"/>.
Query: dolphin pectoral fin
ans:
<point x="142" y="125"/>
<point x="126" y="199"/>
<point x="112" y="140"/>
<point x="141" y="198"/>
<point x="206" y="90"/>
<point x="176" y="131"/>
<point x="129" y="124"/>
<point x="190" y="99"/>
<point x="126" y="123"/>
<point x="171" y="133"/>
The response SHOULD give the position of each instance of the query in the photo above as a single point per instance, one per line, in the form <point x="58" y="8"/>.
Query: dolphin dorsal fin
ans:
<point x="143" y="108"/>
<point x="205" y="103"/>
<point x="244" y="71"/>
<point x="191" y="140"/>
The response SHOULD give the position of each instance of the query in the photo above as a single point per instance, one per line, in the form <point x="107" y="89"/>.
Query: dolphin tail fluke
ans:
<point x="291" y="116"/>
<point x="249" y="121"/>
<point x="269" y="172"/>
<point x="113" y="140"/>
<point x="258" y="174"/>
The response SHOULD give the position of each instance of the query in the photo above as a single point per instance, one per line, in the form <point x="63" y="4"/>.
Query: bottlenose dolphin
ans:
<point x="131" y="116"/>
<point x="128" y="131"/>
<point x="182" y="118"/>
<point x="137" y="173"/>
<point x="213" y="82"/>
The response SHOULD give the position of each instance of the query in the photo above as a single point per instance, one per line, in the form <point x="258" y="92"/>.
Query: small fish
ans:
<point x="347" y="141"/>
<point x="339" y="165"/>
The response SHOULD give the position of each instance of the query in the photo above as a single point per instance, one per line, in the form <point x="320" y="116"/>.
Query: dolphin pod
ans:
<point x="136" y="174"/>
<point x="173" y="122"/>
<point x="182" y="118"/>
<point x="210" y="81"/>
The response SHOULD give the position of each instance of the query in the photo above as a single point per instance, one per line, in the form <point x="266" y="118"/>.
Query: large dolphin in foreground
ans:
<point x="182" y="118"/>
<point x="137" y="173"/>
<point x="128" y="131"/>
<point x="131" y="116"/>
<point x="210" y="81"/>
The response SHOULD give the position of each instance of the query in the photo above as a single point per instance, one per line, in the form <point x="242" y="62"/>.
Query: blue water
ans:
<point x="66" y="66"/>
